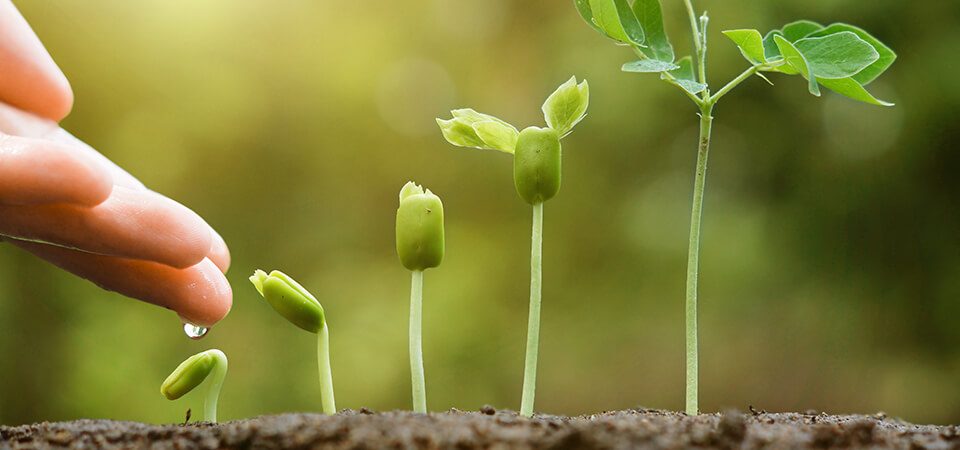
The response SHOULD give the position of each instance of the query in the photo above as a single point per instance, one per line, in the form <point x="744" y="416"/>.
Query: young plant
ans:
<point x="840" y="57"/>
<point x="536" y="176"/>
<point x="190" y="373"/>
<point x="289" y="299"/>
<point x="420" y="247"/>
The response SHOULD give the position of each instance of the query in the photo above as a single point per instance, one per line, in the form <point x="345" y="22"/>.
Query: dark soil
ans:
<point x="489" y="428"/>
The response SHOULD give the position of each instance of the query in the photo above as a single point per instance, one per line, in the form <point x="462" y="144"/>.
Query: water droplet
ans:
<point x="194" y="331"/>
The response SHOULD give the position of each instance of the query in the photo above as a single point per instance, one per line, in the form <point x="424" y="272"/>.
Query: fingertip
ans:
<point x="207" y="299"/>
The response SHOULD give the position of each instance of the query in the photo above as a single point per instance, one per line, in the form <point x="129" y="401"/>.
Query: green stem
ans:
<point x="693" y="26"/>
<point x="326" y="375"/>
<point x="693" y="257"/>
<point x="533" y="321"/>
<point x="416" y="351"/>
<point x="216" y="383"/>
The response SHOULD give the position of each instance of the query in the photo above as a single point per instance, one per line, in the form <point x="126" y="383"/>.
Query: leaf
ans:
<point x="886" y="56"/>
<point x="796" y="60"/>
<point x="496" y="135"/>
<point x="470" y="116"/>
<point x="750" y="43"/>
<point x="460" y="133"/>
<point x="461" y="130"/>
<point x="566" y="106"/>
<point x="650" y="15"/>
<point x="800" y="29"/>
<point x="617" y="20"/>
<point x="838" y="55"/>
<point x="683" y="76"/>
<point x="649" y="66"/>
<point x="583" y="7"/>
<point x="770" y="50"/>
<point x="850" y="87"/>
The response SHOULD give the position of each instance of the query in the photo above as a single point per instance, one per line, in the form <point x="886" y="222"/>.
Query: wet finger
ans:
<point x="34" y="171"/>
<point x="130" y="224"/>
<point x="200" y="293"/>
<point x="219" y="253"/>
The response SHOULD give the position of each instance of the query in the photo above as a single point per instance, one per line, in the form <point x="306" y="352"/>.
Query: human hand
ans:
<point x="65" y="202"/>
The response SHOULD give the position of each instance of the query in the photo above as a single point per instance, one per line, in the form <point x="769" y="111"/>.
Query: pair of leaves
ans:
<point x="655" y="49"/>
<point x="562" y="110"/>
<point x="841" y="57"/>
<point x="639" y="25"/>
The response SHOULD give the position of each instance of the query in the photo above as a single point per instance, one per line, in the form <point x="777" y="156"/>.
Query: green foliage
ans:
<point x="650" y="17"/>
<point x="420" y="243"/>
<point x="617" y="20"/>
<point x="469" y="128"/>
<point x="684" y="77"/>
<point x="536" y="165"/>
<point x="649" y="66"/>
<point x="840" y="56"/>
<point x="289" y="299"/>
<point x="566" y="106"/>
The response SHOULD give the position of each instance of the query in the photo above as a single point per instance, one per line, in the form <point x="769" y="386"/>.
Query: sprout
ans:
<point x="301" y="308"/>
<point x="536" y="175"/>
<point x="190" y="373"/>
<point x="420" y="247"/>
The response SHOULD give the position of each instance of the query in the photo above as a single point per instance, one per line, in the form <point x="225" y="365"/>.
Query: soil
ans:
<point x="492" y="429"/>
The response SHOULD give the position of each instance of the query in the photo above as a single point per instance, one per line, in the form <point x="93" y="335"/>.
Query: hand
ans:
<point x="63" y="201"/>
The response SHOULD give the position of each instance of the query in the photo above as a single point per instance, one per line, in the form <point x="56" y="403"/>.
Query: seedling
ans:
<point x="841" y="57"/>
<point x="420" y="247"/>
<point x="190" y="373"/>
<point x="289" y="299"/>
<point x="536" y="176"/>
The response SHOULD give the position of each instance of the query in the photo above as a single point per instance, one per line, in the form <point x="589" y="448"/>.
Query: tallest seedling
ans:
<point x="536" y="175"/>
<point x="840" y="57"/>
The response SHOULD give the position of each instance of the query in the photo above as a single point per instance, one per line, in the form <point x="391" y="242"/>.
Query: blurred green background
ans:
<point x="830" y="276"/>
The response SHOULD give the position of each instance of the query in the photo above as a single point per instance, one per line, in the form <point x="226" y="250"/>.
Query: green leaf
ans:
<point x="566" y="106"/>
<point x="497" y="135"/>
<point x="617" y="20"/>
<point x="796" y="60"/>
<point x="750" y="43"/>
<point x="850" y="87"/>
<point x="650" y="15"/>
<point x="684" y="77"/>
<point x="461" y="131"/>
<point x="795" y="31"/>
<point x="583" y="7"/>
<point x="885" y="58"/>
<point x="770" y="50"/>
<point x="838" y="55"/>
<point x="649" y="66"/>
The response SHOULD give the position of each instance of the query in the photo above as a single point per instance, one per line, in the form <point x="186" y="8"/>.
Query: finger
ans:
<point x="30" y="80"/>
<point x="200" y="294"/>
<point x="21" y="123"/>
<point x="219" y="253"/>
<point x="42" y="172"/>
<point x="130" y="224"/>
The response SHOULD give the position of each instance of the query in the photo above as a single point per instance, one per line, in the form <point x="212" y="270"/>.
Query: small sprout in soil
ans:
<point x="536" y="176"/>
<point x="840" y="57"/>
<point x="419" y="246"/>
<point x="190" y="373"/>
<point x="289" y="299"/>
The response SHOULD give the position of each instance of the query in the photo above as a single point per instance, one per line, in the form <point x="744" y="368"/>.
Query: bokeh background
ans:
<point x="830" y="276"/>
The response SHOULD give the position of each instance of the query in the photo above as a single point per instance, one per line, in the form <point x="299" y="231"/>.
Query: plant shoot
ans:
<point x="190" y="373"/>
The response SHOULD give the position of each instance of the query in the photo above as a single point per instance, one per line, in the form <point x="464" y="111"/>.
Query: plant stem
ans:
<point x="416" y="351"/>
<point x="533" y="321"/>
<point x="693" y="256"/>
<point x="693" y="27"/>
<point x="216" y="383"/>
<point x="326" y="376"/>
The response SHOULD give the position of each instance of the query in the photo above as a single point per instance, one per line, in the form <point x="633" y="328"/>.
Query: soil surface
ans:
<point x="492" y="429"/>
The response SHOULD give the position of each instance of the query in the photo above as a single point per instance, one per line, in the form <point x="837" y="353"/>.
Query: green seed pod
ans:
<point x="419" y="228"/>
<point x="289" y="299"/>
<point x="536" y="164"/>
<point x="188" y="375"/>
